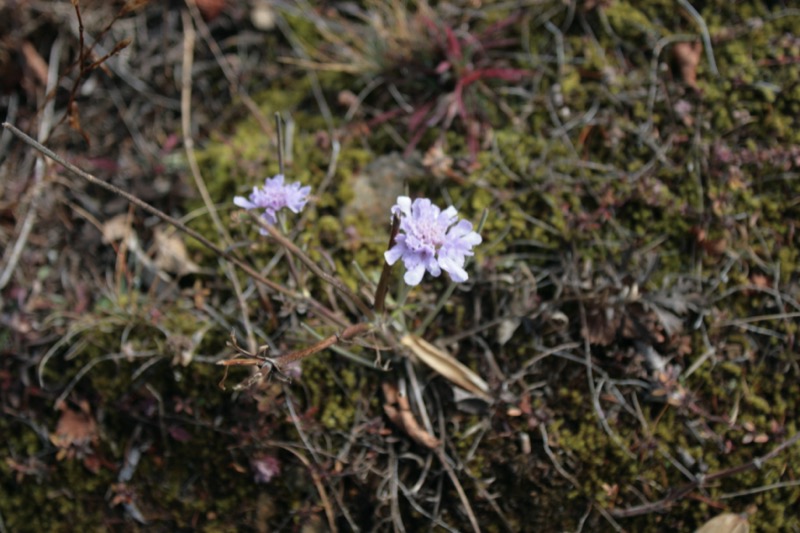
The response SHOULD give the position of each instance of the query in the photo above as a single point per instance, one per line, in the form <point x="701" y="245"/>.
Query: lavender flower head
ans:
<point x="431" y="239"/>
<point x="273" y="197"/>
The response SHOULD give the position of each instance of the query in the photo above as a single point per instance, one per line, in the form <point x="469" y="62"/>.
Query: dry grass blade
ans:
<point x="447" y="366"/>
<point x="725" y="523"/>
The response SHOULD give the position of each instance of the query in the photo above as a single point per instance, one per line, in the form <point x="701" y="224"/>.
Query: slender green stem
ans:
<point x="436" y="310"/>
<point x="312" y="266"/>
<point x="289" y="259"/>
<point x="398" y="313"/>
<point x="279" y="128"/>
<point x="361" y="274"/>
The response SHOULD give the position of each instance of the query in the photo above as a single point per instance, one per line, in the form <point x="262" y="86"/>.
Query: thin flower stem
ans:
<point x="361" y="274"/>
<point x="297" y="252"/>
<point x="279" y="128"/>
<point x="435" y="311"/>
<point x="383" y="283"/>
<point x="289" y="259"/>
<point x="398" y="314"/>
<point x="253" y="273"/>
<point x="191" y="158"/>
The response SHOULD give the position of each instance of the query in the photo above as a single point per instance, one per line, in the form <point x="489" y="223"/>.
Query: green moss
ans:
<point x="626" y="176"/>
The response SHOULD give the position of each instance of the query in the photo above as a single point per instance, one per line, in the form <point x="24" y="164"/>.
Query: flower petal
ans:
<point x="448" y="216"/>
<point x="423" y="208"/>
<point x="275" y="181"/>
<point x="241" y="201"/>
<point x="297" y="197"/>
<point x="433" y="267"/>
<point x="462" y="228"/>
<point x="454" y="268"/>
<point x="403" y="206"/>
<point x="414" y="275"/>
<point x="269" y="216"/>
<point x="397" y="251"/>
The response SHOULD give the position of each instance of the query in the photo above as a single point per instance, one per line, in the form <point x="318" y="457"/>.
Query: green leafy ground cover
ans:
<point x="633" y="306"/>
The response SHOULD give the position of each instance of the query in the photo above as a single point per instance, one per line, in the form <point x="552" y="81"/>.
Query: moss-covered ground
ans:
<point x="633" y="307"/>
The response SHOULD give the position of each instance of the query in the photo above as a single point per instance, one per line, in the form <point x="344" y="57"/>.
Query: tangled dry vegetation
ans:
<point x="623" y="357"/>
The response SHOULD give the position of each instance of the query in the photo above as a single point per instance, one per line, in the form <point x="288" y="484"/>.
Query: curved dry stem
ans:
<point x="317" y="480"/>
<point x="473" y="520"/>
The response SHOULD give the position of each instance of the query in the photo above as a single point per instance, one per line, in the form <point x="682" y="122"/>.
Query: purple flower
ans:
<point x="273" y="197"/>
<point x="431" y="239"/>
<point x="265" y="468"/>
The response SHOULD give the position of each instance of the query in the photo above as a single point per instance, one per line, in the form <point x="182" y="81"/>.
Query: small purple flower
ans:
<point x="273" y="197"/>
<point x="265" y="468"/>
<point x="431" y="239"/>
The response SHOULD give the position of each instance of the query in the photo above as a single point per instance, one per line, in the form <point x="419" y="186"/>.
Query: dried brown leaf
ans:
<point x="687" y="58"/>
<point x="760" y="280"/>
<point x="447" y="366"/>
<point x="116" y="228"/>
<point x="602" y="325"/>
<point x="171" y="254"/>
<point x="74" y="428"/>
<point x="506" y="330"/>
<point x="399" y="412"/>
<point x="437" y="161"/>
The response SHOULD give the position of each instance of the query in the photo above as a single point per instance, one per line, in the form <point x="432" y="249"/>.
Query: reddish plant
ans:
<point x="445" y="77"/>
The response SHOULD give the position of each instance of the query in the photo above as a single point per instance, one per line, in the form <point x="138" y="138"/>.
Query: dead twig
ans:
<point x="317" y="480"/>
<point x="317" y="306"/>
<point x="276" y="365"/>
<point x="13" y="253"/>
<point x="473" y="520"/>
